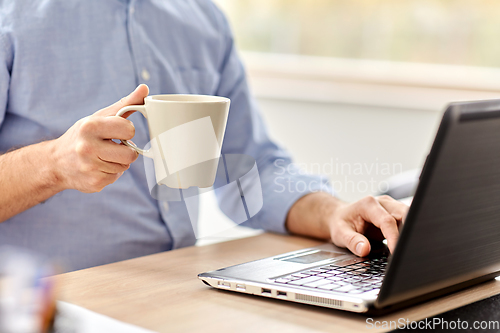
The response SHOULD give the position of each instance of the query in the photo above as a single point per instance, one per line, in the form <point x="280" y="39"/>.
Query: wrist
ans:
<point x="329" y="208"/>
<point x="312" y="215"/>
<point x="50" y="170"/>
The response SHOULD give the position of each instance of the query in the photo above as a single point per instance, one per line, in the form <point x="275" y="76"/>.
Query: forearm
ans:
<point x="309" y="216"/>
<point x="26" y="178"/>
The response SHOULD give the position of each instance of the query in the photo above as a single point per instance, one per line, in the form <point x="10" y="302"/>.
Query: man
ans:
<point x="76" y="195"/>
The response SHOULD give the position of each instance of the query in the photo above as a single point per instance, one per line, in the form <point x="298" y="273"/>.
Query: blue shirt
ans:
<point x="62" y="60"/>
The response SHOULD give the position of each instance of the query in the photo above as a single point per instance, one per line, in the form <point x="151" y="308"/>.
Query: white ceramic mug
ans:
<point x="186" y="134"/>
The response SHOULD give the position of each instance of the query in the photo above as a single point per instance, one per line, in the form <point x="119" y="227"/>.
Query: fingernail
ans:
<point x="359" y="247"/>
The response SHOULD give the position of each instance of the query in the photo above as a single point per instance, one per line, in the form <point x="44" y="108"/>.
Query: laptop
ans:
<point x="450" y="240"/>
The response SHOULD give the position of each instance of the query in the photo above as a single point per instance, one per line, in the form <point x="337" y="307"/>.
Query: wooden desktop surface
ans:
<point x="161" y="292"/>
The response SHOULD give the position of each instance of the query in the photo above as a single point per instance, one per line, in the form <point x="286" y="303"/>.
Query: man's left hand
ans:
<point x="348" y="225"/>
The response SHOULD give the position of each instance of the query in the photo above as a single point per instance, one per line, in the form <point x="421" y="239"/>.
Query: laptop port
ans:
<point x="240" y="287"/>
<point x="281" y="294"/>
<point x="265" y="292"/>
<point x="224" y="284"/>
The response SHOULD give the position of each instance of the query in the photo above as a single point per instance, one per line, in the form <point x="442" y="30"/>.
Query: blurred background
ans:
<point x="355" y="89"/>
<point x="463" y="32"/>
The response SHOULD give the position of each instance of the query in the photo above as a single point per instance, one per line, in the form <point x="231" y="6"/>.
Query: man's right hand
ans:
<point x="85" y="158"/>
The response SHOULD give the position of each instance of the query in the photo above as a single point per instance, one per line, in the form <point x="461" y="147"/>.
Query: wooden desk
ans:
<point x="161" y="292"/>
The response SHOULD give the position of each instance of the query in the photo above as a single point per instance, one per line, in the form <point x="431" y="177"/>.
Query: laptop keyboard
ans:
<point x="361" y="277"/>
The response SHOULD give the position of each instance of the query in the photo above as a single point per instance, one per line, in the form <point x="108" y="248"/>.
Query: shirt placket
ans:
<point x="142" y="71"/>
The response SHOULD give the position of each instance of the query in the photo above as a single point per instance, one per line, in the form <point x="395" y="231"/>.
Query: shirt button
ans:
<point x="132" y="10"/>
<point x="145" y="75"/>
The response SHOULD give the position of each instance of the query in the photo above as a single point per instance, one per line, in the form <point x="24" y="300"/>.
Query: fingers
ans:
<point x="110" y="167"/>
<point x="397" y="209"/>
<point x="111" y="152"/>
<point x="107" y="128"/>
<point x="346" y="236"/>
<point x="105" y="151"/>
<point x="94" y="172"/>
<point x="134" y="98"/>
<point x="372" y="211"/>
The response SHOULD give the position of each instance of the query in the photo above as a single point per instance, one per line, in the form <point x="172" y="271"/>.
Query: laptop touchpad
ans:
<point x="314" y="257"/>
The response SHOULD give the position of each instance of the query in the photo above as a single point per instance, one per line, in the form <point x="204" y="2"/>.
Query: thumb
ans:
<point x="354" y="241"/>
<point x="136" y="97"/>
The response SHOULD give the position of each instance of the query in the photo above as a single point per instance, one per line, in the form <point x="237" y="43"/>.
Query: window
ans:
<point x="458" y="32"/>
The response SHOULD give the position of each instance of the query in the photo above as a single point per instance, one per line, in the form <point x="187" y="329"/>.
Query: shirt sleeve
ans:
<point x="5" y="65"/>
<point x="260" y="183"/>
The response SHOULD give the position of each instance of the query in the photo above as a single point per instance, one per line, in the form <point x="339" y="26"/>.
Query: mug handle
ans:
<point x="141" y="109"/>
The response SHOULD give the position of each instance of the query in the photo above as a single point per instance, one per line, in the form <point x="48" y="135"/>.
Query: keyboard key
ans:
<point x="335" y="278"/>
<point x="346" y="288"/>
<point x="325" y="275"/>
<point x="372" y="272"/>
<point x="344" y="269"/>
<point x="299" y="275"/>
<point x="355" y="291"/>
<point x="356" y="278"/>
<point x="305" y="280"/>
<point x="281" y="280"/>
<point x="349" y="280"/>
<point x="329" y="286"/>
<point x="334" y="271"/>
<point x="378" y="278"/>
<point x="318" y="283"/>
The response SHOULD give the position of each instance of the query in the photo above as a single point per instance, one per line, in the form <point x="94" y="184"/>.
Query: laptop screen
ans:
<point x="452" y="233"/>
